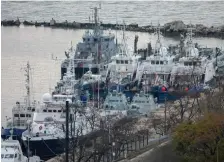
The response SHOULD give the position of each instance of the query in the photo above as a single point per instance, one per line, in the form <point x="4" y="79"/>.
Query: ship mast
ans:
<point x="189" y="40"/>
<point x="124" y="48"/>
<point x="116" y="27"/>
<point x="97" y="32"/>
<point x="27" y="74"/>
<point x="72" y="73"/>
<point x="158" y="34"/>
<point x="158" y="42"/>
<point x="96" y="19"/>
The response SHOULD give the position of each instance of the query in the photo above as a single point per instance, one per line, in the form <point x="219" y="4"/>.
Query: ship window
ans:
<point x="9" y="155"/>
<point x="107" y="39"/>
<point x="194" y="63"/>
<point x="118" y="61"/>
<point x="157" y="62"/>
<point x="44" y="110"/>
<point x="95" y="39"/>
<point x="122" y="61"/>
<point x="54" y="110"/>
<point x="64" y="111"/>
<point x="161" y="62"/>
<point x="185" y="63"/>
<point x="47" y="119"/>
<point x="84" y="39"/>
<point x="49" y="110"/>
<point x="59" y="110"/>
<point x="153" y="62"/>
<point x="33" y="109"/>
<point x="22" y="115"/>
<point x="88" y="39"/>
<point x="28" y="115"/>
<point x="2" y="155"/>
<point x="190" y="63"/>
<point x="16" y="115"/>
<point x="126" y="61"/>
<point x="15" y="155"/>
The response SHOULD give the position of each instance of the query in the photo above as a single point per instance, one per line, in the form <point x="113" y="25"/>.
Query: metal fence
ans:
<point x="131" y="148"/>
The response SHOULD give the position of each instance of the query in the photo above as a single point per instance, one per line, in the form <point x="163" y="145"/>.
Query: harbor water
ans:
<point x="209" y="13"/>
<point x="37" y="44"/>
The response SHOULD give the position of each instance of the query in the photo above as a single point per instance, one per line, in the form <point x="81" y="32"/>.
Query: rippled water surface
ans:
<point x="141" y="12"/>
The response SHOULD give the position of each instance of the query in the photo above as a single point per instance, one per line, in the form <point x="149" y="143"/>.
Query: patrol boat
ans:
<point x="145" y="103"/>
<point x="191" y="69"/>
<point x="96" y="43"/>
<point x="46" y="129"/>
<point x="122" y="70"/>
<point x="156" y="68"/>
<point x="21" y="112"/>
<point x="154" y="72"/>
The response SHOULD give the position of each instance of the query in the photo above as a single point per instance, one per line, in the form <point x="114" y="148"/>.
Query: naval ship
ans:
<point x="97" y="48"/>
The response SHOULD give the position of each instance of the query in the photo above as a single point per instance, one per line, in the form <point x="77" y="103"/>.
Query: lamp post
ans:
<point x="113" y="151"/>
<point x="67" y="132"/>
<point x="217" y="152"/>
<point x="217" y="147"/>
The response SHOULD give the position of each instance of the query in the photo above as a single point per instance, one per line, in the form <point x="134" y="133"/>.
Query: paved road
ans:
<point x="162" y="153"/>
